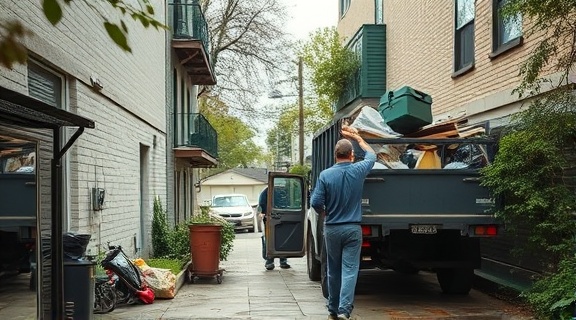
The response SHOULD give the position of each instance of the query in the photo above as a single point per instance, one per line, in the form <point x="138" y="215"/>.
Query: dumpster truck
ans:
<point x="422" y="213"/>
<point x="17" y="207"/>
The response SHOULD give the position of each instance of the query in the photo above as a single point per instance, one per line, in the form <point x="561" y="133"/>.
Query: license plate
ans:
<point x="423" y="229"/>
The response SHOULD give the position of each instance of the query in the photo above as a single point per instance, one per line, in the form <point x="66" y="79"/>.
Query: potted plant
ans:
<point x="211" y="241"/>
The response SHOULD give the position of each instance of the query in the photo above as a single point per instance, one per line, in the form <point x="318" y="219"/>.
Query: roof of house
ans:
<point x="260" y="174"/>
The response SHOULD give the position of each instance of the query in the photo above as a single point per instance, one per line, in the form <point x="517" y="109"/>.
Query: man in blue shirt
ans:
<point x="262" y="204"/>
<point x="338" y="196"/>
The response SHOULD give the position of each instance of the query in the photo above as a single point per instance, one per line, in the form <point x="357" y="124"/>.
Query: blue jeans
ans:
<point x="270" y="260"/>
<point x="343" y="244"/>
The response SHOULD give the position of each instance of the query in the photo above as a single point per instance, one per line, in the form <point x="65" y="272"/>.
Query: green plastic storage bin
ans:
<point x="406" y="110"/>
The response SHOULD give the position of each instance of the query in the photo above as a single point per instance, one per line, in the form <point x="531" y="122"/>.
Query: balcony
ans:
<point x="369" y="83"/>
<point x="195" y="140"/>
<point x="190" y="40"/>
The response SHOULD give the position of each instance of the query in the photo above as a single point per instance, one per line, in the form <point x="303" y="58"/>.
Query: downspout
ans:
<point x="57" y="254"/>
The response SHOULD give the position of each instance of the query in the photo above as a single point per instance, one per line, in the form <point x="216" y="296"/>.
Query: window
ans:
<point x="45" y="85"/>
<point x="464" y="36"/>
<point x="344" y="5"/>
<point x="506" y="32"/>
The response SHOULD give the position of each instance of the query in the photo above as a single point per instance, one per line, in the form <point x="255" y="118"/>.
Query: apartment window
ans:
<point x="45" y="85"/>
<point x="506" y="31"/>
<point x="344" y="5"/>
<point x="464" y="36"/>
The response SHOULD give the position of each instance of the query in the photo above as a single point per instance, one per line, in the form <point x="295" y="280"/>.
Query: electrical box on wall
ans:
<point x="97" y="199"/>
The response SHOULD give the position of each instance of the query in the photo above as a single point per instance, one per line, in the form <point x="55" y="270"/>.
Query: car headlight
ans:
<point x="247" y="213"/>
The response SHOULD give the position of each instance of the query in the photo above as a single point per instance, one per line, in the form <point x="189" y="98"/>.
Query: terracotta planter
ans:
<point x="205" y="249"/>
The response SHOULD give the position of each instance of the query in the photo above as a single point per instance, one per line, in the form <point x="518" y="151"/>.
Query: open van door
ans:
<point x="285" y="215"/>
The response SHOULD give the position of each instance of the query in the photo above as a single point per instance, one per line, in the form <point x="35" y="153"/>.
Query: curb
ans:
<point x="181" y="278"/>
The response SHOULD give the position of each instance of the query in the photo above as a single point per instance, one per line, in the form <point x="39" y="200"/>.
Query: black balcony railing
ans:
<point x="193" y="130"/>
<point x="187" y="21"/>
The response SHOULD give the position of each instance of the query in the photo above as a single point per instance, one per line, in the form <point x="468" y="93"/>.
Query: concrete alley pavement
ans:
<point x="248" y="291"/>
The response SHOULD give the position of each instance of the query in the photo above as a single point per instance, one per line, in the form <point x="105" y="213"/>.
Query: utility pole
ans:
<point x="301" y="114"/>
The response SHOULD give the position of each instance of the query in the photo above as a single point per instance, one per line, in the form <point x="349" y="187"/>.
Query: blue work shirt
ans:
<point x="338" y="190"/>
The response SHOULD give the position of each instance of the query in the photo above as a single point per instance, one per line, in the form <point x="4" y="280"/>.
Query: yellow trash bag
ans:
<point x="161" y="281"/>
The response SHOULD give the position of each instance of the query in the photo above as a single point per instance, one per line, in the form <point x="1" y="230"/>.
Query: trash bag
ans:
<point x="370" y="121"/>
<point x="161" y="281"/>
<point x="74" y="245"/>
<point x="467" y="156"/>
<point x="123" y="268"/>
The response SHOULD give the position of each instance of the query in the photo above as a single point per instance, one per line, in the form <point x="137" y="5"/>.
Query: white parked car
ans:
<point x="235" y="208"/>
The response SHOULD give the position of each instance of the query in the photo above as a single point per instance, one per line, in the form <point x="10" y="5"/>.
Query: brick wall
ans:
<point x="420" y="44"/>
<point x="129" y="112"/>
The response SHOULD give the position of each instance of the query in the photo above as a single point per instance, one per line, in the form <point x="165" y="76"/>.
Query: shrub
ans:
<point x="160" y="230"/>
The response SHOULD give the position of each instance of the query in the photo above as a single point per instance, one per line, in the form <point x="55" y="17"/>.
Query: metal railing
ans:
<point x="187" y="21"/>
<point x="194" y="130"/>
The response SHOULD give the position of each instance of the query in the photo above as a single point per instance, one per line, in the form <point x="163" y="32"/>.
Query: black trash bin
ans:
<point x="79" y="288"/>
<point x="78" y="277"/>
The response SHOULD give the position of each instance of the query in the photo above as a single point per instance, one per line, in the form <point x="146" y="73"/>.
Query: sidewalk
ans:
<point x="247" y="291"/>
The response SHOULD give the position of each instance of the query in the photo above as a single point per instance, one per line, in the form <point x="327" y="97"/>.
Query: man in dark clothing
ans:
<point x="262" y="205"/>
<point x="338" y="196"/>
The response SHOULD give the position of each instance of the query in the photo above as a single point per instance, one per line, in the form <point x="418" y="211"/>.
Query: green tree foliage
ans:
<point x="550" y="24"/>
<point x="301" y="170"/>
<point x="279" y="142"/>
<point x="13" y="51"/>
<point x="236" y="147"/>
<point x="331" y="63"/>
<point x="534" y="171"/>
<point x="553" y="297"/>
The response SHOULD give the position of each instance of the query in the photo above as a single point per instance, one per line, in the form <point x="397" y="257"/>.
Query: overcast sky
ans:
<point x="306" y="16"/>
<point x="309" y="15"/>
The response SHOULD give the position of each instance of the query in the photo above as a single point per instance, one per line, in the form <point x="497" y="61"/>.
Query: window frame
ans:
<point x="498" y="46"/>
<point x="459" y="67"/>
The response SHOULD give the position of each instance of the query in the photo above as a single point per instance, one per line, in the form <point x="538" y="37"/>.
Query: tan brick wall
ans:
<point x="420" y="44"/>
<point x="359" y="12"/>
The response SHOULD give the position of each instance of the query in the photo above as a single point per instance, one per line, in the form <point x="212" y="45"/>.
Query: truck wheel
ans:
<point x="455" y="281"/>
<point x="312" y="264"/>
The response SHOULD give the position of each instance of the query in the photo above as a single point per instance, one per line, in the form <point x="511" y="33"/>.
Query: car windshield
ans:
<point x="229" y="201"/>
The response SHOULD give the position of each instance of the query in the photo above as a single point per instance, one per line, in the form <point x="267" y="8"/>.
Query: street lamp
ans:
<point x="274" y="94"/>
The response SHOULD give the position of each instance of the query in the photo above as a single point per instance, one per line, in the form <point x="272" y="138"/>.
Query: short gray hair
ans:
<point x="343" y="149"/>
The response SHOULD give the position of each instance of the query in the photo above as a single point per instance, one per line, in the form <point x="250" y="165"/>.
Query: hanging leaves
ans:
<point x="52" y="11"/>
<point x="13" y="51"/>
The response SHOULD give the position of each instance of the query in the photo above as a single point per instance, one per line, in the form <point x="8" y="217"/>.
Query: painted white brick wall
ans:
<point x="128" y="112"/>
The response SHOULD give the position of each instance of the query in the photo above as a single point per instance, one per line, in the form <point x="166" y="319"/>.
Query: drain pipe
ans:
<point x="57" y="254"/>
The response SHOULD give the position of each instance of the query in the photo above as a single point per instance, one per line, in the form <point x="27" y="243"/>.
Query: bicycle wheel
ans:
<point x="104" y="298"/>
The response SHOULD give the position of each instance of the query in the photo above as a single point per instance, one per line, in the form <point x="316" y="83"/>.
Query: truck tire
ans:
<point x="313" y="265"/>
<point x="456" y="280"/>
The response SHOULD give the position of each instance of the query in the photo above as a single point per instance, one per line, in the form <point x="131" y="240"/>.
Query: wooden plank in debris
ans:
<point x="434" y="131"/>
<point x="471" y="132"/>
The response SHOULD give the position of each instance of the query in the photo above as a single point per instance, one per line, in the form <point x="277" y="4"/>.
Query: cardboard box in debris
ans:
<point x="426" y="155"/>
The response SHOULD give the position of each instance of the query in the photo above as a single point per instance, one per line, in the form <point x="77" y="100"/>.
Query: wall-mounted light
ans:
<point x="154" y="141"/>
<point x="96" y="83"/>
